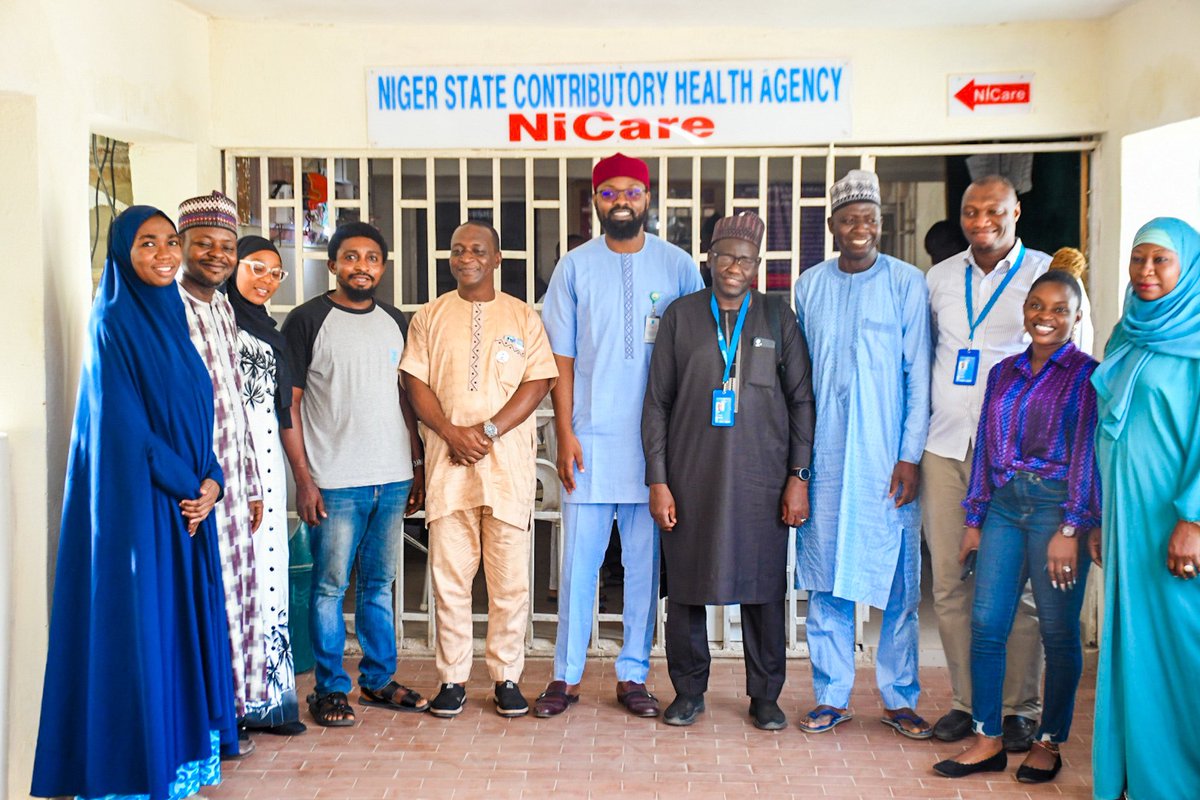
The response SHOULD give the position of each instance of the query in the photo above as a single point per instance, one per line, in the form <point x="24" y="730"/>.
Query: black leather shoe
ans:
<point x="1018" y="733"/>
<point x="767" y="714"/>
<point x="684" y="709"/>
<point x="1027" y="774"/>
<point x="956" y="769"/>
<point x="953" y="725"/>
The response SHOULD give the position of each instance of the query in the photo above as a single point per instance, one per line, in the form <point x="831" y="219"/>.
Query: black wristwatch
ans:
<point x="803" y="473"/>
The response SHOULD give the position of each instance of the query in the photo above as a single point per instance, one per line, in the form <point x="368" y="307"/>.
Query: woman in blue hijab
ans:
<point x="1148" y="446"/>
<point x="138" y="692"/>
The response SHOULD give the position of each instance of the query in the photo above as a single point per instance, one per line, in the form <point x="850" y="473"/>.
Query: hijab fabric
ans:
<point x="1170" y="324"/>
<point x="137" y="674"/>
<point x="254" y="320"/>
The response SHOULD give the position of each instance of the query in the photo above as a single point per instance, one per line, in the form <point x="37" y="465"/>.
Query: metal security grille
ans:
<point x="541" y="204"/>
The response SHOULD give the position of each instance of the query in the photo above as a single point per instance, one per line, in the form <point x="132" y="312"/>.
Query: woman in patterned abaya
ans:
<point x="267" y="395"/>
<point x="137" y="696"/>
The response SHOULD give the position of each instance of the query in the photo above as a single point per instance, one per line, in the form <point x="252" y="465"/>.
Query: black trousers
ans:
<point x="763" y="639"/>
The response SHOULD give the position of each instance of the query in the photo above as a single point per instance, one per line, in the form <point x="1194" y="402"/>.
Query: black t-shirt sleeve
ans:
<point x="397" y="315"/>
<point x="300" y="330"/>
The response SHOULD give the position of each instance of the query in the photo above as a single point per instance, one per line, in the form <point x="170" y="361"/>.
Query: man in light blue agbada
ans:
<point x="866" y="317"/>
<point x="601" y="314"/>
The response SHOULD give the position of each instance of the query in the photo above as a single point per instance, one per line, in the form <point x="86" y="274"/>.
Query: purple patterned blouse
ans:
<point x="1044" y="424"/>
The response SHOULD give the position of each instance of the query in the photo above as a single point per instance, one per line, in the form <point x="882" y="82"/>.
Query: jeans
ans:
<point x="1024" y="515"/>
<point x="364" y="528"/>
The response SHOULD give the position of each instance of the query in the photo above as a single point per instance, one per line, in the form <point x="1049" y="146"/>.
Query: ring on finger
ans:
<point x="1189" y="569"/>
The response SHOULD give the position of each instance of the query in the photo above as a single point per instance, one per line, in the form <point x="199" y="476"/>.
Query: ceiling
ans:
<point x="677" y="13"/>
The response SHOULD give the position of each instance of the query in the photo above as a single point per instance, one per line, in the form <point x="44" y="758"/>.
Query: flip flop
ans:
<point x="896" y="723"/>
<point x="395" y="697"/>
<point x="835" y="718"/>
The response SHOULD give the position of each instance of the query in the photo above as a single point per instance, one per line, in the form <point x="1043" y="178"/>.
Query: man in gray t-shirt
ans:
<point x="356" y="458"/>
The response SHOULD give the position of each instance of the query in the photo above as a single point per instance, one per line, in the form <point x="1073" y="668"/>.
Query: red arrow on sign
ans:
<point x="986" y="94"/>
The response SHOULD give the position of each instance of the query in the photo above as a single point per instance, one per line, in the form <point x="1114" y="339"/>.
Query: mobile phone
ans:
<point x="969" y="565"/>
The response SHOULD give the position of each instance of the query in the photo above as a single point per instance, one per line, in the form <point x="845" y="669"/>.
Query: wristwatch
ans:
<point x="803" y="473"/>
<point x="1068" y="531"/>
<point x="490" y="430"/>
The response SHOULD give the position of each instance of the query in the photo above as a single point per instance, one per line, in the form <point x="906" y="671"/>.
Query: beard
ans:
<point x="623" y="230"/>
<point x="355" y="294"/>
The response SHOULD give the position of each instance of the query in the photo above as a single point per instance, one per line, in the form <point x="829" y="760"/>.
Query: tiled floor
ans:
<point x="597" y="750"/>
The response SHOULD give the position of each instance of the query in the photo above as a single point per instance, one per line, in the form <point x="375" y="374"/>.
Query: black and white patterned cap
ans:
<point x="859" y="186"/>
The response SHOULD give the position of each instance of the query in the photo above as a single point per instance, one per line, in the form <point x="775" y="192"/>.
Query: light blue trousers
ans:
<point x="587" y="527"/>
<point x="830" y="631"/>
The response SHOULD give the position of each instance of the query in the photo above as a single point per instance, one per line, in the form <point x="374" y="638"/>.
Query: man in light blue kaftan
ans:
<point x="866" y="317"/>
<point x="601" y="314"/>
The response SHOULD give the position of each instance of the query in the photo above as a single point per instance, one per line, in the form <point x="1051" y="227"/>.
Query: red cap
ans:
<point x="620" y="166"/>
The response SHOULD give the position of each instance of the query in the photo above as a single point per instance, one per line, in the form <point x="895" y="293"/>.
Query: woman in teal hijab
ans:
<point x="1147" y="737"/>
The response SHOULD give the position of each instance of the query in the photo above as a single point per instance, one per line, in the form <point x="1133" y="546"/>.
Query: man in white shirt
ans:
<point x="971" y="337"/>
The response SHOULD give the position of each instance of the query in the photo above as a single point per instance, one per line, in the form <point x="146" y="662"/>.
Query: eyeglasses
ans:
<point x="632" y="194"/>
<point x="261" y="270"/>
<point x="725" y="259"/>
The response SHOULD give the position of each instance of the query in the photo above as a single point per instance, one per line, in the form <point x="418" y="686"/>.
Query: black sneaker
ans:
<point x="509" y="700"/>
<point x="449" y="701"/>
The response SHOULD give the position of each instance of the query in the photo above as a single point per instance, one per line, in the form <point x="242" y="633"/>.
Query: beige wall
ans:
<point x="136" y="70"/>
<point x="1151" y="78"/>
<point x="900" y="90"/>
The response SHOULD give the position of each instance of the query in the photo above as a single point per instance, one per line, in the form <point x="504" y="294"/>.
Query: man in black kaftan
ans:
<point x="727" y="429"/>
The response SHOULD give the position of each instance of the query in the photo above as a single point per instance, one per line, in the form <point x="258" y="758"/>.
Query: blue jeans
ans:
<point x="1024" y="515"/>
<point x="364" y="528"/>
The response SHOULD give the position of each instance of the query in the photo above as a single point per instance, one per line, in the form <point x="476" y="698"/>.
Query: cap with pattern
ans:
<point x="746" y="225"/>
<point x="208" y="211"/>
<point x="859" y="186"/>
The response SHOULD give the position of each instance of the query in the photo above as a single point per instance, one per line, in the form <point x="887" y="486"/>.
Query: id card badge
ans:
<point x="651" y="329"/>
<point x="966" y="368"/>
<point x="722" y="408"/>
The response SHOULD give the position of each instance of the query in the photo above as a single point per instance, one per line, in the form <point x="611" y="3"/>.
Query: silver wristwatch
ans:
<point x="1068" y="531"/>
<point x="490" y="430"/>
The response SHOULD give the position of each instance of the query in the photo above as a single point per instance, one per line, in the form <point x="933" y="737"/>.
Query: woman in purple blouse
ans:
<point x="1033" y="501"/>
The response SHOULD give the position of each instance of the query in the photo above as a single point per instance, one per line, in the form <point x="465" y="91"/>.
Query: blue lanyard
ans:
<point x="728" y="351"/>
<point x="975" y="323"/>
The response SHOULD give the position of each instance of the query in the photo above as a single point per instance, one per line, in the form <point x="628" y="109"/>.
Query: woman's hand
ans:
<point x="196" y="511"/>
<point x="970" y="541"/>
<point x="1183" y="550"/>
<point x="1062" y="561"/>
<point x="1095" y="545"/>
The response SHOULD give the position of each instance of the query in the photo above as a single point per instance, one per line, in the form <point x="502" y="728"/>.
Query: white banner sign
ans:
<point x="684" y="104"/>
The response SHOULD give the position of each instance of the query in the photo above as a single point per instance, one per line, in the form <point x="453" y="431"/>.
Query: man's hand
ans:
<point x="467" y="444"/>
<point x="416" y="495"/>
<point x="196" y="511"/>
<point x="793" y="507"/>
<point x="905" y="480"/>
<point x="570" y="456"/>
<point x="1183" y="550"/>
<point x="970" y="542"/>
<point x="310" y="506"/>
<point x="662" y="506"/>
<point x="256" y="514"/>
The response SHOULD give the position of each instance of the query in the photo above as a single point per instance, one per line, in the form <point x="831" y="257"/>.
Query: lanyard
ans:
<point x="729" y="349"/>
<point x="975" y="323"/>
